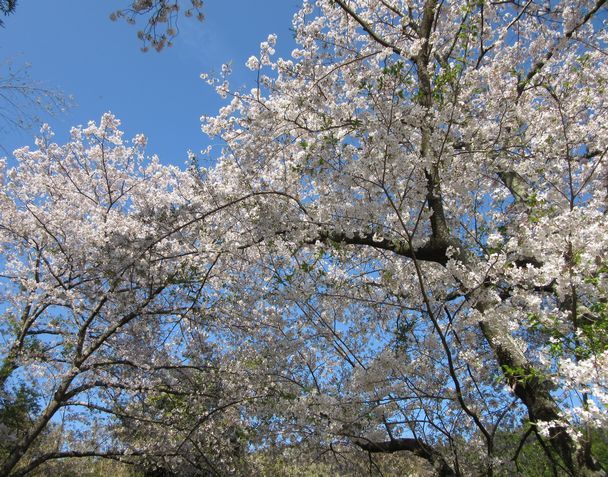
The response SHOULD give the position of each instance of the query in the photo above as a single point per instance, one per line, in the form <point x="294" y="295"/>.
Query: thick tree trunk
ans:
<point x="534" y="391"/>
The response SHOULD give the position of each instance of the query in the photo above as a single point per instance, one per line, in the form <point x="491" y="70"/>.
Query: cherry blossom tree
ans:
<point x="432" y="265"/>
<point x="92" y="253"/>
<point x="401" y="250"/>
<point x="112" y="267"/>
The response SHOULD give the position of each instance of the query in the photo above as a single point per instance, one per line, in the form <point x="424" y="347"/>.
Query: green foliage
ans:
<point x="352" y="464"/>
<point x="88" y="467"/>
<point x="591" y="339"/>
<point x="595" y="328"/>
<point x="519" y="374"/>
<point x="447" y="77"/>
<point x="532" y="459"/>
<point x="16" y="409"/>
<point x="599" y="446"/>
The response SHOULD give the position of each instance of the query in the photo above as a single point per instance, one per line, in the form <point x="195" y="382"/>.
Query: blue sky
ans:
<point x="74" y="47"/>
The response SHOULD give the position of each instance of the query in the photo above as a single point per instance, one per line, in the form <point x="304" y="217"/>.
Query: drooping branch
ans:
<point x="116" y="454"/>
<point x="408" y="444"/>
<point x="394" y="445"/>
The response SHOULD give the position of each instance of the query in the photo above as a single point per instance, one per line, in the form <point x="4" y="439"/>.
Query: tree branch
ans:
<point x="433" y="251"/>
<point x="368" y="29"/>
<point x="409" y="444"/>
<point x="521" y="86"/>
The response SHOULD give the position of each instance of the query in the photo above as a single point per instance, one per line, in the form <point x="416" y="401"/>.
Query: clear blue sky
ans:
<point x="74" y="47"/>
